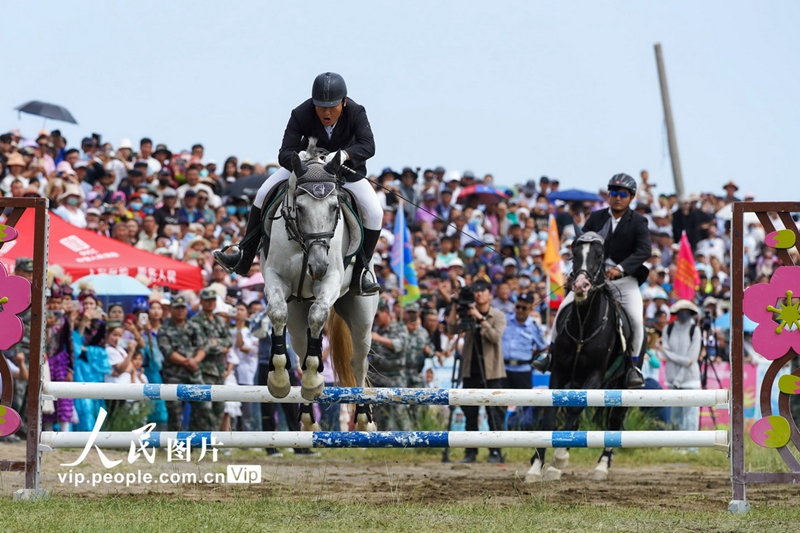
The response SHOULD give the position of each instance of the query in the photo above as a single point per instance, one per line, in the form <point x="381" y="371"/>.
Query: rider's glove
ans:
<point x="330" y="157"/>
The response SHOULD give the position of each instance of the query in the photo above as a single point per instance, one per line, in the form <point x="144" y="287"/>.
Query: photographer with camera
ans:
<point x="482" y="358"/>
<point x="715" y="352"/>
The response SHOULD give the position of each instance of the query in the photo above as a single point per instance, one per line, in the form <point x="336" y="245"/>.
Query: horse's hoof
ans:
<point x="307" y="423"/>
<point x="561" y="458"/>
<point x="363" y="423"/>
<point x="534" y="474"/>
<point x="278" y="384"/>
<point x="312" y="382"/>
<point x="600" y="472"/>
<point x="552" y="473"/>
<point x="313" y="392"/>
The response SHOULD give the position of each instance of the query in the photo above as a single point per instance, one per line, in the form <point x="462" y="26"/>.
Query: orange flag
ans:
<point x="552" y="262"/>
<point x="686" y="277"/>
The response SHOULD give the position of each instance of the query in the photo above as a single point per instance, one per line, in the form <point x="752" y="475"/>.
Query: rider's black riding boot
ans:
<point x="363" y="282"/>
<point x="542" y="364"/>
<point x="241" y="261"/>
<point x="633" y="378"/>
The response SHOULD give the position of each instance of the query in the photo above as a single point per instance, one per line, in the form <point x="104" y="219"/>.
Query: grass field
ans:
<point x="147" y="513"/>
<point x="411" y="490"/>
<point x="399" y="490"/>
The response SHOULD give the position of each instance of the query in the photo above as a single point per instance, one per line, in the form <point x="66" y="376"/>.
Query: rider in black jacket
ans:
<point x="627" y="247"/>
<point x="338" y="123"/>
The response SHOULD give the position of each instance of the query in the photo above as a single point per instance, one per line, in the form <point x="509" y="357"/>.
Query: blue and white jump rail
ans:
<point x="395" y="439"/>
<point x="452" y="397"/>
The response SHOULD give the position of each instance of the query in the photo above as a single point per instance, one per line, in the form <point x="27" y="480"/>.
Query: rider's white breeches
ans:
<point x="626" y="291"/>
<point x="368" y="203"/>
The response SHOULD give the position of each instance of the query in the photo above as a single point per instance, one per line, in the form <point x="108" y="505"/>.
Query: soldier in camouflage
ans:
<point x="387" y="367"/>
<point x="183" y="344"/>
<point x="418" y="347"/>
<point x="219" y="342"/>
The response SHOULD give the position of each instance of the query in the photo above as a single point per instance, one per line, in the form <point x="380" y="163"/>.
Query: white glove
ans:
<point x="331" y="156"/>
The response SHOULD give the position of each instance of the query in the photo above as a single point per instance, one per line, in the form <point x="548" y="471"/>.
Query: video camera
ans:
<point x="465" y="301"/>
<point x="707" y="321"/>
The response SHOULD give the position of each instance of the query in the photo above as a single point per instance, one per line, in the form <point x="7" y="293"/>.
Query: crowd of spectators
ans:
<point x="175" y="204"/>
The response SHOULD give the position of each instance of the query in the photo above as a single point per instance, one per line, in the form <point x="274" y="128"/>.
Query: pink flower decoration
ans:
<point x="15" y="297"/>
<point x="772" y="337"/>
<point x="7" y="233"/>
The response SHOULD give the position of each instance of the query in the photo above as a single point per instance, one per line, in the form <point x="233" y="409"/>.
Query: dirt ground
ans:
<point x="406" y="477"/>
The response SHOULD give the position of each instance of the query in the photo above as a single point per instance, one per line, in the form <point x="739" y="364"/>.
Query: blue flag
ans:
<point x="402" y="259"/>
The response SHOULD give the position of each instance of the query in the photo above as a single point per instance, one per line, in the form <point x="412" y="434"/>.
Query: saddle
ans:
<point x="347" y="202"/>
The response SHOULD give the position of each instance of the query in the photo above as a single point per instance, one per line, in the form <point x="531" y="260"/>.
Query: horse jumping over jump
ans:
<point x="587" y="353"/>
<point x="307" y="275"/>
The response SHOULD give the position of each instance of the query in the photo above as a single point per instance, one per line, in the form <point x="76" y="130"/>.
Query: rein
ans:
<point x="582" y="340"/>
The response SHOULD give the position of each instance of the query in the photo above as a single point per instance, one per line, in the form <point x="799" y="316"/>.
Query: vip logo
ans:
<point x="244" y="473"/>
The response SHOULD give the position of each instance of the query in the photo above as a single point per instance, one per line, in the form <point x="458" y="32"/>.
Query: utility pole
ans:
<point x="677" y="175"/>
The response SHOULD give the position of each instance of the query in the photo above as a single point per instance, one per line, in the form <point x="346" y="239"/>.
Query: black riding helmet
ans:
<point x="623" y="181"/>
<point x="328" y="90"/>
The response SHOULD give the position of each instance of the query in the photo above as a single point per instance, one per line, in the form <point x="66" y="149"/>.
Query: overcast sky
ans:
<point x="518" y="89"/>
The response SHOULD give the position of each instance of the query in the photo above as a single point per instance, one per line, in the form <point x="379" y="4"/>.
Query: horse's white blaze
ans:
<point x="581" y="284"/>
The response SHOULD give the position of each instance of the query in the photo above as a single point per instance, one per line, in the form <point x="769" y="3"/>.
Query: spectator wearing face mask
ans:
<point x="541" y="215"/>
<point x="681" y="343"/>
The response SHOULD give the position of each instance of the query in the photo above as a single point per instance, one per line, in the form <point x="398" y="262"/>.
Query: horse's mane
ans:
<point x="313" y="152"/>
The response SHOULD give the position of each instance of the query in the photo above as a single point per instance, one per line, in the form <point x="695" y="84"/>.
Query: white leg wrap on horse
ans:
<point x="552" y="473"/>
<point x="368" y="203"/>
<point x="266" y="187"/>
<point x="600" y="472"/>
<point x="561" y="458"/>
<point x="534" y="474"/>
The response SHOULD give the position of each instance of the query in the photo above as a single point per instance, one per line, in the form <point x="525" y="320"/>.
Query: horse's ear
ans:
<point x="298" y="167"/>
<point x="332" y="167"/>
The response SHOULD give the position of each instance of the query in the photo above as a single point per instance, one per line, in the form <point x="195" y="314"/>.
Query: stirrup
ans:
<point x="222" y="251"/>
<point x="543" y="363"/>
<point x="373" y="287"/>
<point x="634" y="378"/>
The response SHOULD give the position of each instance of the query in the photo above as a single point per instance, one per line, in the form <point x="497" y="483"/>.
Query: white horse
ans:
<point x="307" y="284"/>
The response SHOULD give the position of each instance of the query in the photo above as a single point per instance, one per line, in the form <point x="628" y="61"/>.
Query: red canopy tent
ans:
<point x="82" y="253"/>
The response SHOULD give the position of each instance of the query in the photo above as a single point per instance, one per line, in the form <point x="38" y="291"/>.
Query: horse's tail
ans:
<point x="341" y="349"/>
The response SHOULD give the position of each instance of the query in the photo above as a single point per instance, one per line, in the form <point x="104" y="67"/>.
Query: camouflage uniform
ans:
<point x="213" y="366"/>
<point x="415" y="356"/>
<point x="387" y="369"/>
<point x="186" y="340"/>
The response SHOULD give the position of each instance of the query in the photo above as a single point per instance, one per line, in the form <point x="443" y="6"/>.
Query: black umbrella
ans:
<point x="246" y="186"/>
<point x="42" y="109"/>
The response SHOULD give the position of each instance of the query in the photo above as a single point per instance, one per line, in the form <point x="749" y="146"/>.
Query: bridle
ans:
<point x="598" y="282"/>
<point x="319" y="188"/>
